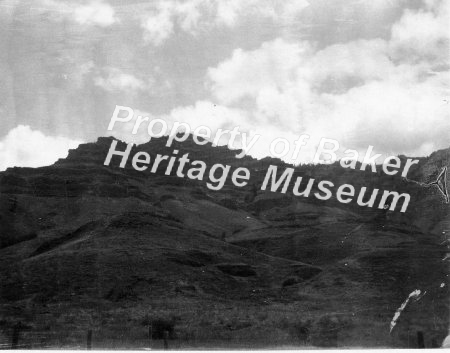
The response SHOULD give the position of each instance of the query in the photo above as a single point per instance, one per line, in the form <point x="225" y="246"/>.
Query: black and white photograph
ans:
<point x="224" y="174"/>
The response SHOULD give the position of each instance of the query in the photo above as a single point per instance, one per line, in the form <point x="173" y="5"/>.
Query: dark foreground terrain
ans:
<point x="87" y="247"/>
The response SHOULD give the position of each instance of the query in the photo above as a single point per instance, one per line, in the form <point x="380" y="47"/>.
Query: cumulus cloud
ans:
<point x="207" y="113"/>
<point x="246" y="73"/>
<point x="25" y="147"/>
<point x="189" y="15"/>
<point x="202" y="113"/>
<point x="124" y="130"/>
<point x="423" y="34"/>
<point x="96" y="12"/>
<point x="389" y="93"/>
<point x="229" y="12"/>
<point x="159" y="25"/>
<point x="193" y="16"/>
<point x="114" y="79"/>
<point x="216" y="116"/>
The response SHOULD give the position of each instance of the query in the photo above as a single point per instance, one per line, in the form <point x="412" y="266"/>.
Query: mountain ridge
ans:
<point x="257" y="267"/>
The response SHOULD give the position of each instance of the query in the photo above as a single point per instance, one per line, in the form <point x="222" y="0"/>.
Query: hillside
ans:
<point x="84" y="246"/>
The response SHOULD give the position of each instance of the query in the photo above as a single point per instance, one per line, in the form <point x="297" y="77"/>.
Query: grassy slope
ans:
<point x="109" y="249"/>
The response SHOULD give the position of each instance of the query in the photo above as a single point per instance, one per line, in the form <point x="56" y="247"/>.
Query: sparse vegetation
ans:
<point x="117" y="253"/>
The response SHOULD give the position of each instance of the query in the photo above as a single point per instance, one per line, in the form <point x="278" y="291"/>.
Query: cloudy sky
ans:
<point x="364" y="72"/>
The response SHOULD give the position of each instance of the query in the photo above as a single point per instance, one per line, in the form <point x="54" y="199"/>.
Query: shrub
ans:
<point x="159" y="325"/>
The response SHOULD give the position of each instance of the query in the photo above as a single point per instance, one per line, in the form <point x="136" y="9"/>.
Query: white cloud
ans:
<point x="202" y="113"/>
<point x="209" y="114"/>
<point x="423" y="35"/>
<point x="229" y="12"/>
<point x="160" y="23"/>
<point x="390" y="117"/>
<point x="124" y="131"/>
<point x="246" y="73"/>
<point x="190" y="14"/>
<point x="159" y="26"/>
<point x="24" y="147"/>
<point x="388" y="93"/>
<point x="195" y="15"/>
<point x="95" y="12"/>
<point x="340" y="66"/>
<point x="117" y="80"/>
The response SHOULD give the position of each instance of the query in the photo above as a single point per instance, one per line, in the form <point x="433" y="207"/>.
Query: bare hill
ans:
<point x="84" y="246"/>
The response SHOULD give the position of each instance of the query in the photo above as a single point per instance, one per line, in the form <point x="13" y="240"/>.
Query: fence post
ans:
<point x="89" y="340"/>
<point x="150" y="334"/>
<point x="15" y="335"/>
<point x="165" y="337"/>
